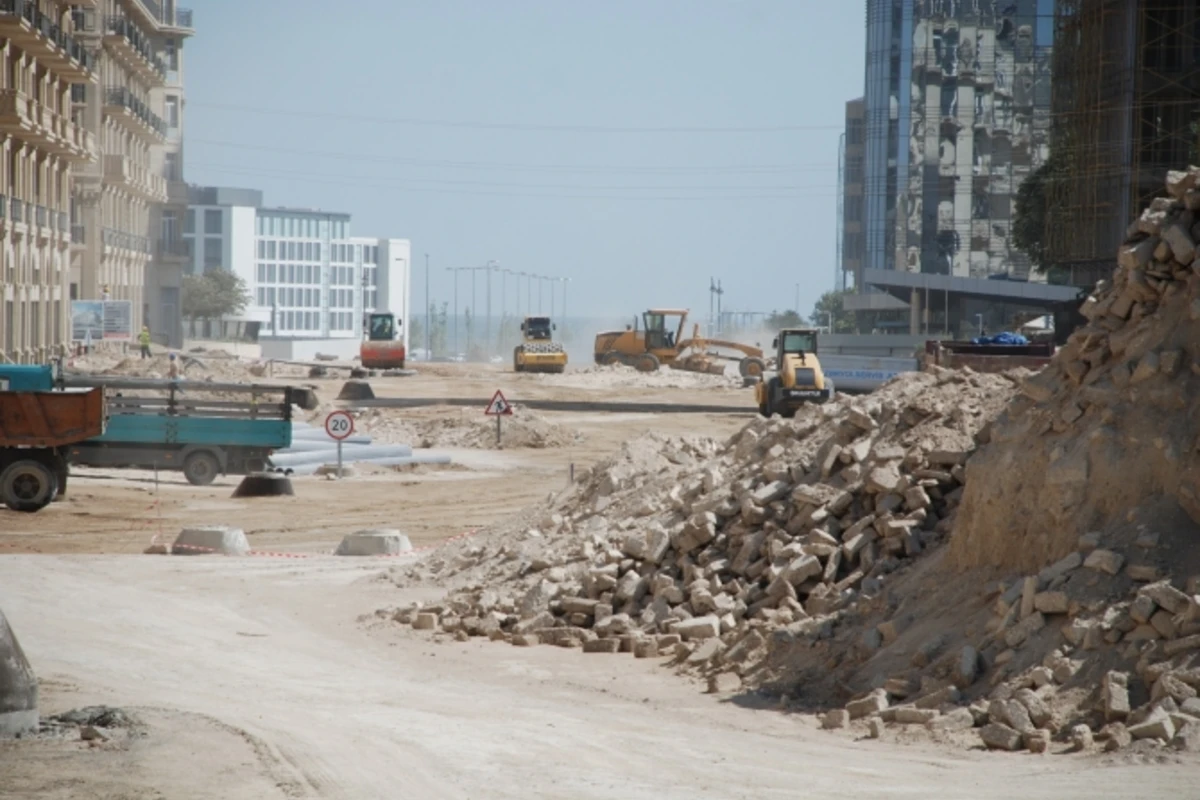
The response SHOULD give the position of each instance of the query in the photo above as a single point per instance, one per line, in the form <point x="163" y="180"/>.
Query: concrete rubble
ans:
<point x="807" y="557"/>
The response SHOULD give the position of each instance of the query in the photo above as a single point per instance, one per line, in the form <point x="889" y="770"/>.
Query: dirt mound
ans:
<point x="466" y="428"/>
<point x="615" y="376"/>
<point x="210" y="366"/>
<point x="1109" y="427"/>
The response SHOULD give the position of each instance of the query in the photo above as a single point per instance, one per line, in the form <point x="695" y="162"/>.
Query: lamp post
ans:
<point x="455" y="271"/>
<point x="428" y="330"/>
<point x="564" y="305"/>
<point x="490" y="267"/>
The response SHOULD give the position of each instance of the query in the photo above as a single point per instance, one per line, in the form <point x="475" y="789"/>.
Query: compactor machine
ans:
<point x="539" y="352"/>
<point x="798" y="379"/>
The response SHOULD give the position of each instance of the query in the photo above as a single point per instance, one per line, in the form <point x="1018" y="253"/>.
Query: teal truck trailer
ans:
<point x="201" y="428"/>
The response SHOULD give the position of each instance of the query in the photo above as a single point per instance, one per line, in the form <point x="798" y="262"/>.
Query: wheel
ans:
<point x="751" y="367"/>
<point x="201" y="468"/>
<point x="611" y="359"/>
<point x="774" y="387"/>
<point x="647" y="362"/>
<point x="516" y="359"/>
<point x="28" y="486"/>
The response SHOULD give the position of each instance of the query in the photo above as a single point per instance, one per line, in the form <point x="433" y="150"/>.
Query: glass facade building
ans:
<point x="957" y="113"/>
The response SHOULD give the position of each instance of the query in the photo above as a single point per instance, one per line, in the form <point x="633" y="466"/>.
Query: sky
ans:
<point x="637" y="147"/>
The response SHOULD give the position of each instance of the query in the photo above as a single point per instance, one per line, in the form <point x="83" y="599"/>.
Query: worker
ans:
<point x="173" y="368"/>
<point x="144" y="341"/>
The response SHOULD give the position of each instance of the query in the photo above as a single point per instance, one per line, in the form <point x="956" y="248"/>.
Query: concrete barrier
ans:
<point x="378" y="542"/>
<point x="219" y="539"/>
<point x="18" y="687"/>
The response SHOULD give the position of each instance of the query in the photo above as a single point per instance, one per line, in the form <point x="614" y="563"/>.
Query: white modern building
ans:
<point x="311" y="283"/>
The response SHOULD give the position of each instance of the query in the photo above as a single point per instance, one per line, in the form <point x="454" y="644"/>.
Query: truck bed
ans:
<point x="50" y="419"/>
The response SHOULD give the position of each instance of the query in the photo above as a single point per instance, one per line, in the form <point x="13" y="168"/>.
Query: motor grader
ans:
<point x="799" y="378"/>
<point x="653" y="344"/>
<point x="539" y="352"/>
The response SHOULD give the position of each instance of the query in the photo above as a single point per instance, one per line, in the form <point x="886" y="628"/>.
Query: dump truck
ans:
<point x="654" y="344"/>
<point x="539" y="352"/>
<point x="799" y="378"/>
<point x="38" y="425"/>
<point x="200" y="428"/>
<point x="383" y="346"/>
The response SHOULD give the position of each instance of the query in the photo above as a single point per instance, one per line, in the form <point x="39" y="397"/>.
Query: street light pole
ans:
<point x="487" y="322"/>
<point x="428" y="330"/>
<point x="455" y="271"/>
<point x="471" y="327"/>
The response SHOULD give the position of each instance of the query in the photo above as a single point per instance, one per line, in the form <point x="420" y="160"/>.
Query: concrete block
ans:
<point x="209" y="539"/>
<point x="377" y="542"/>
<point x="18" y="686"/>
<point x="602" y="646"/>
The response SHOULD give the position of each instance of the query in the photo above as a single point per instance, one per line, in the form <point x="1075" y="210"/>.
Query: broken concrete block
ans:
<point x="1081" y="737"/>
<point x="1156" y="726"/>
<point x="960" y="719"/>
<point x="602" y="646"/>
<point x="699" y="628"/>
<point x="1000" y="737"/>
<point x="1166" y="596"/>
<point x="873" y="703"/>
<point x="425" y="621"/>
<point x="837" y="718"/>
<point x="966" y="669"/>
<point x="1104" y="561"/>
<point x="907" y="715"/>
<point x="1114" y="694"/>
<point x="1017" y="634"/>
<point x="1052" y="602"/>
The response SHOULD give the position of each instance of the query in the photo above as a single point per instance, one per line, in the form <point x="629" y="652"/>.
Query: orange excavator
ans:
<point x="383" y="347"/>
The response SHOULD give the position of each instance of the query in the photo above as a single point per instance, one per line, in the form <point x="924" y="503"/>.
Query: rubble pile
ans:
<point x="617" y="376"/>
<point x="466" y="428"/>
<point x="710" y="551"/>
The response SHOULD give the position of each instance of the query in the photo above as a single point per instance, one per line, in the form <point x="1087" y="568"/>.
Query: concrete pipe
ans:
<point x="18" y="687"/>
<point x="351" y="453"/>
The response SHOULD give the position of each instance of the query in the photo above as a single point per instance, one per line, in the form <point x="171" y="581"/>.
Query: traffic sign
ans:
<point x="339" y="425"/>
<point x="498" y="407"/>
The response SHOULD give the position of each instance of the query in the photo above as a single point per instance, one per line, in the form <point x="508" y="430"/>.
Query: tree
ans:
<point x="830" y="312"/>
<point x="1032" y="209"/>
<point x="214" y="294"/>
<point x="778" y="320"/>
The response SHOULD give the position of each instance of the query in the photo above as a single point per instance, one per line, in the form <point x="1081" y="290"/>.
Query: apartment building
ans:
<point x="127" y="205"/>
<point x="310" y="282"/>
<point x="43" y="140"/>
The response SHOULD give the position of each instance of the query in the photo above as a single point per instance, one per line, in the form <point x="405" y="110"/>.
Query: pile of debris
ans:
<point x="465" y="428"/>
<point x="706" y="550"/>
<point x="617" y="376"/>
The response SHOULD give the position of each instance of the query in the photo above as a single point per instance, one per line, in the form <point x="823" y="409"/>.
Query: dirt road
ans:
<point x="258" y="670"/>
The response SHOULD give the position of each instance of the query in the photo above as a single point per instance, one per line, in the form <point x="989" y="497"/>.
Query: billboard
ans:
<point x="101" y="319"/>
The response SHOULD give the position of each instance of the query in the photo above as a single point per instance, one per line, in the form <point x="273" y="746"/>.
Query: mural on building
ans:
<point x="977" y="124"/>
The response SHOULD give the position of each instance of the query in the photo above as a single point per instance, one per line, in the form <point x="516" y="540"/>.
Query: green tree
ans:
<point x="778" y="320"/>
<point x="1032" y="209"/>
<point x="214" y="294"/>
<point x="830" y="312"/>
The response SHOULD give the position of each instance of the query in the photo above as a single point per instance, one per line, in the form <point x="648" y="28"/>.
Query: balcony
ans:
<point x="135" y="49"/>
<point x="172" y="249"/>
<point x="41" y="37"/>
<point x="134" y="178"/>
<point x="24" y="118"/>
<point x="125" y="241"/>
<point x="125" y="107"/>
<point x="161" y="15"/>
<point x="180" y="23"/>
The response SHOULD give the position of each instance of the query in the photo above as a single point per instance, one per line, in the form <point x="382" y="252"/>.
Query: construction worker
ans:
<point x="144" y="341"/>
<point x="173" y="369"/>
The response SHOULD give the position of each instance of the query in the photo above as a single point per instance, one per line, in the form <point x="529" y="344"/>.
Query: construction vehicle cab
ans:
<point x="798" y="379"/>
<point x="384" y="346"/>
<point x="660" y="340"/>
<point x="539" y="352"/>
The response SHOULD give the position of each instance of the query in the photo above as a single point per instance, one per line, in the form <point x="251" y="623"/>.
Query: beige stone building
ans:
<point x="128" y="204"/>
<point x="42" y="138"/>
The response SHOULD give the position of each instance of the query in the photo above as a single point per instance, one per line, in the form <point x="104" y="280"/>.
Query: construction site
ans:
<point x="671" y="563"/>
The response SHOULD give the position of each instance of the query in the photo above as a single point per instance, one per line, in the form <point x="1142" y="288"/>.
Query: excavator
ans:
<point x="654" y="344"/>
<point x="539" y="352"/>
<point x="383" y="347"/>
<point x="799" y="378"/>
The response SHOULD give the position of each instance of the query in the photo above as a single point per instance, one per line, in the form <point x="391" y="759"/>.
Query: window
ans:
<point x="171" y="166"/>
<point x="214" y="221"/>
<point x="189" y="222"/>
<point x="262" y="296"/>
<point x="271" y="250"/>
<point x="270" y="273"/>
<point x="259" y="226"/>
<point x="172" y="110"/>
<point x="212" y="251"/>
<point x="171" y="51"/>
<point x="262" y="273"/>
<point x="262" y="249"/>
<point x="271" y="296"/>
<point x="169" y="226"/>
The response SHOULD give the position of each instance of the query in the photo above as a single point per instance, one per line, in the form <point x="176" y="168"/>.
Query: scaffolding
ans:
<point x="1126" y="102"/>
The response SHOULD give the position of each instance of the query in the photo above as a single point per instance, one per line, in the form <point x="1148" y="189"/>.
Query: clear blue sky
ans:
<point x="531" y="132"/>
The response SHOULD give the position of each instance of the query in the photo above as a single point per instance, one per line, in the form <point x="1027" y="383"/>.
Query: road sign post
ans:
<point x="498" y="407"/>
<point x="339" y="426"/>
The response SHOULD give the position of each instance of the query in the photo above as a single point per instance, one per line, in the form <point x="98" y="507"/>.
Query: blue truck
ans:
<point x="201" y="428"/>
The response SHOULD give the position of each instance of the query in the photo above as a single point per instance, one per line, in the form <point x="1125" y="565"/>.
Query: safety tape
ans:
<point x="155" y="542"/>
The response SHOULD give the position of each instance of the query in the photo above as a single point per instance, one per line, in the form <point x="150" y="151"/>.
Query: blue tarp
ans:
<point x="1014" y="339"/>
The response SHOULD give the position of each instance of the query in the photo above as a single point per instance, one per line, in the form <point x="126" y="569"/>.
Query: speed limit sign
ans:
<point x="339" y="425"/>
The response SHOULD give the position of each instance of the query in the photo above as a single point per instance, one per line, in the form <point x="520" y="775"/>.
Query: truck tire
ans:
<point x="751" y="367"/>
<point x="201" y="468"/>
<point x="28" y="486"/>
<point x="611" y="359"/>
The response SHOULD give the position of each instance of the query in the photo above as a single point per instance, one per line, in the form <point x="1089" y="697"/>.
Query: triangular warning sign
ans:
<point x="498" y="407"/>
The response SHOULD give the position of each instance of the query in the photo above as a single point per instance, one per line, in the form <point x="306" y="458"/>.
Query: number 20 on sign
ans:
<point x="339" y="425"/>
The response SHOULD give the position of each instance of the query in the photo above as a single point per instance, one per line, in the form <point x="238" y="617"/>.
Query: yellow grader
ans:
<point x="653" y="344"/>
